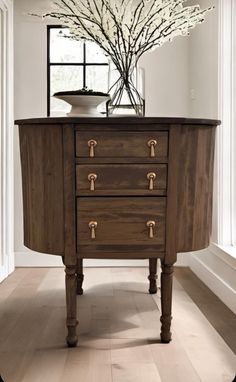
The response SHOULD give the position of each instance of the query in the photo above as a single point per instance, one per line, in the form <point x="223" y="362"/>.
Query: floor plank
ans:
<point x="46" y="366"/>
<point x="208" y="353"/>
<point x="217" y="313"/>
<point x="119" y="331"/>
<point x="135" y="372"/>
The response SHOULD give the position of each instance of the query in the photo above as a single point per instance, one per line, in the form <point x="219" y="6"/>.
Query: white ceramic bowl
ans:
<point x="83" y="105"/>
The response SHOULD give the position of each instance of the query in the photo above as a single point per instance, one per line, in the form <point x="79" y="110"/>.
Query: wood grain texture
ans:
<point x="121" y="144"/>
<point x="121" y="179"/>
<point x="70" y="259"/>
<point x="166" y="301"/>
<point x="191" y="180"/>
<point x="42" y="182"/>
<point x="69" y="202"/>
<point x="120" y="251"/>
<point x="172" y="219"/>
<point x="152" y="277"/>
<point x="122" y="122"/>
<point x="121" y="221"/>
<point x="194" y="187"/>
<point x="71" y="305"/>
<point x="126" y="160"/>
<point x="79" y="276"/>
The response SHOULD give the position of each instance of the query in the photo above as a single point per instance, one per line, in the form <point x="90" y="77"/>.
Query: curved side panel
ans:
<point x="42" y="181"/>
<point x="194" y="187"/>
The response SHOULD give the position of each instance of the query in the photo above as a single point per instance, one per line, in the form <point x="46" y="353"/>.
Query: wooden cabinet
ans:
<point x="126" y="188"/>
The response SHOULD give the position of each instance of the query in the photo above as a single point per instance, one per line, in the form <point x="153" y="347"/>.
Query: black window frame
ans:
<point x="84" y="64"/>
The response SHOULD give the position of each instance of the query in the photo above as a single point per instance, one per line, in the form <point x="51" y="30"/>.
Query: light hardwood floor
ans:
<point x="118" y="330"/>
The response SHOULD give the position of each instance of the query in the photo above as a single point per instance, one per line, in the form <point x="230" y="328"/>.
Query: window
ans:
<point x="71" y="66"/>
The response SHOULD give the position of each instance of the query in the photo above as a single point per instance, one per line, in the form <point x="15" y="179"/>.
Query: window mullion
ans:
<point x="84" y="66"/>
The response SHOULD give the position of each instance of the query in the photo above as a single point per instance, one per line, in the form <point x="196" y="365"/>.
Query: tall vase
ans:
<point x="127" y="91"/>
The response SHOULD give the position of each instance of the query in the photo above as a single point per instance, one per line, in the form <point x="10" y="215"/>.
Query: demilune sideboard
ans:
<point x="117" y="188"/>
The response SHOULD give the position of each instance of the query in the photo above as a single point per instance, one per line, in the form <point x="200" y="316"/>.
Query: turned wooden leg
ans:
<point x="166" y="301"/>
<point x="152" y="276"/>
<point x="80" y="276"/>
<point x="71" y="321"/>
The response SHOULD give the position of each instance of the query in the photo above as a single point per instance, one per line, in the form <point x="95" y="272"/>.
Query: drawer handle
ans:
<point x="151" y="176"/>
<point x="92" y="178"/>
<point x="92" y="226"/>
<point x="152" y="143"/>
<point x="91" y="144"/>
<point x="151" y="224"/>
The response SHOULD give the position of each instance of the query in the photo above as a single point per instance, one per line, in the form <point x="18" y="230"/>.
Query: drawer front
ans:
<point x="116" y="179"/>
<point x="151" y="144"/>
<point x="121" y="222"/>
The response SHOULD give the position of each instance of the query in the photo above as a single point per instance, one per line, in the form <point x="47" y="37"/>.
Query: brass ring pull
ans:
<point x="92" y="226"/>
<point x="152" y="143"/>
<point x="92" y="178"/>
<point x="91" y="144"/>
<point x="151" y="224"/>
<point x="151" y="176"/>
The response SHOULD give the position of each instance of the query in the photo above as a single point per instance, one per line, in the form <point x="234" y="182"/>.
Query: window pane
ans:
<point x="94" y="53"/>
<point x="64" y="78"/>
<point x="62" y="49"/>
<point x="97" y="78"/>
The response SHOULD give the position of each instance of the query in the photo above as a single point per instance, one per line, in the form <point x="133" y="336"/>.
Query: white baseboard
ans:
<point x="217" y="276"/>
<point x="3" y="273"/>
<point x="35" y="259"/>
<point x="183" y="259"/>
<point x="6" y="271"/>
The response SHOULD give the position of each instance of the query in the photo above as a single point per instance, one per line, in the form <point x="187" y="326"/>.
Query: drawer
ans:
<point x="120" y="179"/>
<point x="148" y="144"/>
<point x="115" y="224"/>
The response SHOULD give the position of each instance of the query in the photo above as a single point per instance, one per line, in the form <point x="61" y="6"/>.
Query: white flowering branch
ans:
<point x="126" y="29"/>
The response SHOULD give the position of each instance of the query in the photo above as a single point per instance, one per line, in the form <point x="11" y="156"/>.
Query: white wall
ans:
<point x="203" y="77"/>
<point x="203" y="64"/>
<point x="6" y="139"/>
<point x="215" y="267"/>
<point x="30" y="94"/>
<point x="166" y="89"/>
<point x="167" y="79"/>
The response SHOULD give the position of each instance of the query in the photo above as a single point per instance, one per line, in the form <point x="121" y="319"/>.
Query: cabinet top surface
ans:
<point x="118" y="121"/>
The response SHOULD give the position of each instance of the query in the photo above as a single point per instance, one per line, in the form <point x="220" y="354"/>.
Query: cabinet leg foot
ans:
<point x="80" y="276"/>
<point x="152" y="276"/>
<point x="166" y="302"/>
<point x="71" y="322"/>
<point x="72" y="337"/>
<point x="165" y="329"/>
